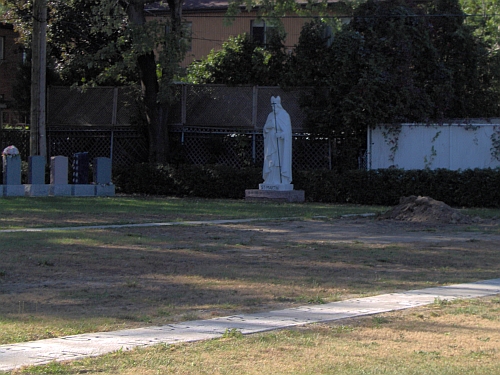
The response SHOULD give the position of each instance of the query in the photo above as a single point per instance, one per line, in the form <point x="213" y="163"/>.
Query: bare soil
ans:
<point x="156" y="275"/>
<point x="427" y="210"/>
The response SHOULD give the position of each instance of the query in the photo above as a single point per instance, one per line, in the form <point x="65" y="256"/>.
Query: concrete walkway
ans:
<point x="135" y="225"/>
<point x="94" y="344"/>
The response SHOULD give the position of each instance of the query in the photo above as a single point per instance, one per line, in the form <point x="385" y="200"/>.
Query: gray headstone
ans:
<point x="12" y="170"/>
<point x="36" y="170"/>
<point x="59" y="170"/>
<point x="102" y="171"/>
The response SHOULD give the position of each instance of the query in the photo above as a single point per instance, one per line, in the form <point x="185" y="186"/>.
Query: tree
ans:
<point x="466" y="56"/>
<point x="309" y="64"/>
<point x="241" y="60"/>
<point x="155" y="87"/>
<point x="397" y="62"/>
<point x="484" y="16"/>
<point x="108" y="41"/>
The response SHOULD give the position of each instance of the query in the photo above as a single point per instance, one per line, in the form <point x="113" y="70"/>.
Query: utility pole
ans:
<point x="38" y="144"/>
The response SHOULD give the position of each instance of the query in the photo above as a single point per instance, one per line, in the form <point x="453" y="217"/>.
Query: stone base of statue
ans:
<point x="276" y="187"/>
<point x="275" y="193"/>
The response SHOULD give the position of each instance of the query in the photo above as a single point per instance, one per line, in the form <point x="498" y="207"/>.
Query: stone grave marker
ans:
<point x="59" y="176"/>
<point x="36" y="186"/>
<point x="11" y="163"/>
<point x="81" y="168"/>
<point x="80" y="165"/>
<point x="102" y="177"/>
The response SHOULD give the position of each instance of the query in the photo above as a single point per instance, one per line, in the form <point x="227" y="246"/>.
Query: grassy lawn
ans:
<point x="60" y="211"/>
<point x="67" y="282"/>
<point x="461" y="337"/>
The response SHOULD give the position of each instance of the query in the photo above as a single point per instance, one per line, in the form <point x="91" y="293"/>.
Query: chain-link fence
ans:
<point x="18" y="138"/>
<point x="209" y="124"/>
<point x="220" y="124"/>
<point x="125" y="146"/>
<point x="247" y="148"/>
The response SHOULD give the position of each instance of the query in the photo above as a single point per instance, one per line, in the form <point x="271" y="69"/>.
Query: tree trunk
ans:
<point x="156" y="112"/>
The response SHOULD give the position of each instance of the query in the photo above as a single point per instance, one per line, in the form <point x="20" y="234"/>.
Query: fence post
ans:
<point x="114" y="115"/>
<point x="369" y="149"/>
<point x="255" y="97"/>
<point x="183" y="111"/>
<point x="330" y="153"/>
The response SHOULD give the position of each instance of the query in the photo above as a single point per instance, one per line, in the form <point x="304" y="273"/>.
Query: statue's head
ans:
<point x="275" y="100"/>
<point x="276" y="103"/>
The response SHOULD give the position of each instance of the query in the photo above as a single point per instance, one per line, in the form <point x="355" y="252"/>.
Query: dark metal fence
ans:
<point x="209" y="124"/>
<point x="125" y="145"/>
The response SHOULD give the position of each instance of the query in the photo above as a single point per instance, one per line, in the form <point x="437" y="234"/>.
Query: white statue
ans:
<point x="277" y="147"/>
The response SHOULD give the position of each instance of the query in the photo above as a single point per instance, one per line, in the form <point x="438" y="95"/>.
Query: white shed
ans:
<point x="457" y="145"/>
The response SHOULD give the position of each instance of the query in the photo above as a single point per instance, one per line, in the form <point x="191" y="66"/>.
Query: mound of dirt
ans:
<point x="426" y="210"/>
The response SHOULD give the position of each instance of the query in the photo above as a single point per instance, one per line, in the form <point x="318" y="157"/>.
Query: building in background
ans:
<point x="11" y="56"/>
<point x="206" y="29"/>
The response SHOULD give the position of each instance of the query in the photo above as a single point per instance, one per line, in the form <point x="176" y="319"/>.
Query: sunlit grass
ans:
<point x="64" y="211"/>
<point x="441" y="339"/>
<point x="158" y="276"/>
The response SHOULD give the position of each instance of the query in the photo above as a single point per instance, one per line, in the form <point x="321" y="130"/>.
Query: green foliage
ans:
<point x="109" y="42"/>
<point x="232" y="333"/>
<point x="242" y="61"/>
<point x="82" y="43"/>
<point x="467" y="188"/>
<point x="395" y="62"/>
<point x="472" y="69"/>
<point x="484" y="16"/>
<point x="310" y="62"/>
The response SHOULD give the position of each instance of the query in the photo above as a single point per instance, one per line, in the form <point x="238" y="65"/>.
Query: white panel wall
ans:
<point x="420" y="146"/>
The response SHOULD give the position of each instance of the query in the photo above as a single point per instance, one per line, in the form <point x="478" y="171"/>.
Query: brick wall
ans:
<point x="12" y="58"/>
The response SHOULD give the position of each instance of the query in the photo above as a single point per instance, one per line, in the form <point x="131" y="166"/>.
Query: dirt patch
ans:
<point x="426" y="210"/>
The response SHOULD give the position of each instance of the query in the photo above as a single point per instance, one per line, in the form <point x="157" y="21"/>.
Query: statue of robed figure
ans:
<point x="277" y="133"/>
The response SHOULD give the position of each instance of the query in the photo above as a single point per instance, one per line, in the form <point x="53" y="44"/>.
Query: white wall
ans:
<point x="419" y="146"/>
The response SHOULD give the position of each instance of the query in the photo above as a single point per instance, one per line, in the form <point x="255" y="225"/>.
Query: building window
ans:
<point x="260" y="31"/>
<point x="2" y="48"/>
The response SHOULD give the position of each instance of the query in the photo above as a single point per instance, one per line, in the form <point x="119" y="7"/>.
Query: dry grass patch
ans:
<point x="462" y="337"/>
<point x="102" y="280"/>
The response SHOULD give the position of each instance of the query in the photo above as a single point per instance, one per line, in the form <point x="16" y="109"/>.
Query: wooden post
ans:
<point x="38" y="144"/>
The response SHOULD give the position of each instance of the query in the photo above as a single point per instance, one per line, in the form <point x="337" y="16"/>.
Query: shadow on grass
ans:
<point x="166" y="274"/>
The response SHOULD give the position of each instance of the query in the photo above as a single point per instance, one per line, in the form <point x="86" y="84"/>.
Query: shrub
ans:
<point x="467" y="188"/>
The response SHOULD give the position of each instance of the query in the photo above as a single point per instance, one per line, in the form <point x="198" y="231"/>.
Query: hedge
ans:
<point x="467" y="188"/>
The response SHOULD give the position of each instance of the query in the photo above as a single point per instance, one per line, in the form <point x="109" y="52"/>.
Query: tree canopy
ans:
<point x="484" y="16"/>
<point x="241" y="61"/>
<point x="109" y="42"/>
<point x="395" y="61"/>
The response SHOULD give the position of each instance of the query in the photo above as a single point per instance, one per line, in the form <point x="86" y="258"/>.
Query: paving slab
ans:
<point x="93" y="344"/>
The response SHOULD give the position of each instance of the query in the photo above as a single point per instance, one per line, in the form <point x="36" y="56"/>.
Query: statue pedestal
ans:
<point x="276" y="187"/>
<point x="297" y="196"/>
